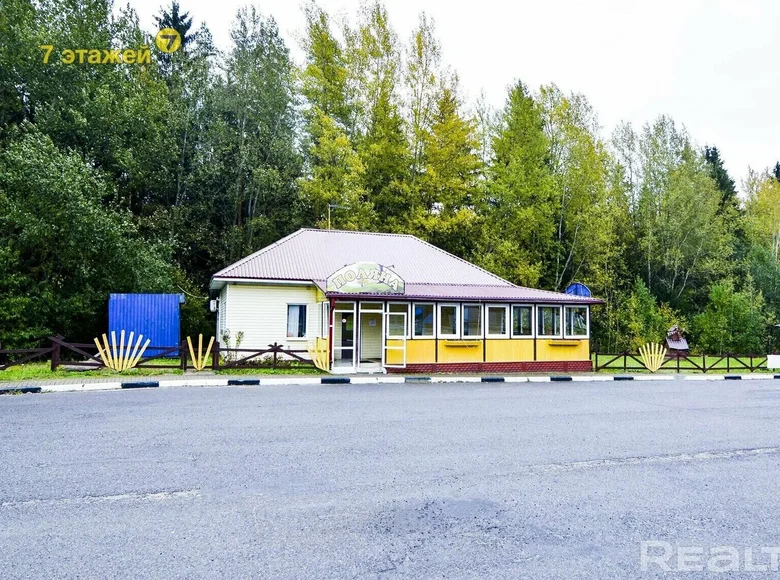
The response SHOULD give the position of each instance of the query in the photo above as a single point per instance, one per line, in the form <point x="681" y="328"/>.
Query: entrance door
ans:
<point x="370" y="337"/>
<point x="344" y="337"/>
<point x="394" y="352"/>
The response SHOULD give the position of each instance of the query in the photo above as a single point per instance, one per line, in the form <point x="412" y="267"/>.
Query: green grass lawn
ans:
<point x="686" y="366"/>
<point x="41" y="370"/>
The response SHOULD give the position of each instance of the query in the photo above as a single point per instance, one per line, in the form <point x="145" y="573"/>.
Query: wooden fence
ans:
<point x="704" y="363"/>
<point x="86" y="356"/>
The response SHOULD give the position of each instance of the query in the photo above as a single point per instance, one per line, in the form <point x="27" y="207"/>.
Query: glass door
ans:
<point x="394" y="352"/>
<point x="369" y="352"/>
<point x="344" y="337"/>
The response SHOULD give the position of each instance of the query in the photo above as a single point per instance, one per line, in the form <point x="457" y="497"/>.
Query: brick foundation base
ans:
<point x="499" y="367"/>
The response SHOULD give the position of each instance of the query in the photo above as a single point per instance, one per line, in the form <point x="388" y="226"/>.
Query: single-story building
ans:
<point x="373" y="302"/>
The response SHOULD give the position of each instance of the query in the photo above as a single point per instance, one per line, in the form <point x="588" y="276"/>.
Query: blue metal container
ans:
<point x="155" y="316"/>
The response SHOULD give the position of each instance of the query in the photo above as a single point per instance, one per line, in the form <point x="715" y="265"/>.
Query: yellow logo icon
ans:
<point x="168" y="40"/>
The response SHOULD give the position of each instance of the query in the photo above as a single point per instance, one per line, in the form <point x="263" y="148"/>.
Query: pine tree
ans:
<point x="180" y="22"/>
<point x="726" y="185"/>
<point x="519" y="204"/>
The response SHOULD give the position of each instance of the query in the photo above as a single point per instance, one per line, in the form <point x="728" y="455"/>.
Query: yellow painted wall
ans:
<point x="520" y="349"/>
<point x="450" y="351"/>
<point x="419" y="350"/>
<point x="547" y="349"/>
<point x="497" y="350"/>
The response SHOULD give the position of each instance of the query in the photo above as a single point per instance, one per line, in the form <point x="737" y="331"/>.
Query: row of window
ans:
<point x="490" y="321"/>
<point x="466" y="321"/>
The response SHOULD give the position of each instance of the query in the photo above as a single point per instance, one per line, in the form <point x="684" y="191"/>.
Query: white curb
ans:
<point x="195" y="383"/>
<point x="290" y="381"/>
<point x="376" y="380"/>
<point x="72" y="387"/>
<point x="435" y="379"/>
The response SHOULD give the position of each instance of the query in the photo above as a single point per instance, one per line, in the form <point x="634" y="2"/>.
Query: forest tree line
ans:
<point x="151" y="177"/>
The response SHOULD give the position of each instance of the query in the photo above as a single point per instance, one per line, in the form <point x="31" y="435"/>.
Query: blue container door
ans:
<point x="155" y="316"/>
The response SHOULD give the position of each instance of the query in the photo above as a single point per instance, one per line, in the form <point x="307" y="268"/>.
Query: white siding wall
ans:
<point x="260" y="311"/>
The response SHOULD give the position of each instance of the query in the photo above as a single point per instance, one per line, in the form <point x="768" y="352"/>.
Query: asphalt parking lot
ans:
<point x="544" y="480"/>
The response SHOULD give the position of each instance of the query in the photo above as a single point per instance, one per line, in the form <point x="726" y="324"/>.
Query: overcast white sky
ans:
<point x="712" y="65"/>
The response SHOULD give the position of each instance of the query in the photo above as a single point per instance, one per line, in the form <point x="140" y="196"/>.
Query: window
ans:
<point x="448" y="320"/>
<point x="396" y="327"/>
<point x="576" y="321"/>
<point x="548" y="321"/>
<point x="296" y="321"/>
<point x="423" y="319"/>
<point x="496" y="321"/>
<point x="521" y="321"/>
<point x="472" y="320"/>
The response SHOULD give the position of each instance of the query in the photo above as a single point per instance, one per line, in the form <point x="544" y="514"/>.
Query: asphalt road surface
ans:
<point x="546" y="480"/>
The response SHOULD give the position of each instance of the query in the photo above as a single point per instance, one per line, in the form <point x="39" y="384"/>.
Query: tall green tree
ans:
<point x="63" y="249"/>
<point x="585" y="221"/>
<point x="181" y="22"/>
<point x="733" y="321"/>
<point x="725" y="184"/>
<point x="382" y="141"/>
<point x="324" y="74"/>
<point x="519" y="204"/>
<point x="679" y="253"/>
<point x="422" y="79"/>
<point x="253" y="165"/>
<point x="450" y="170"/>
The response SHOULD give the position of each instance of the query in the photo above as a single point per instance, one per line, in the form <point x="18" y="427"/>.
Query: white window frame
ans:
<point x="512" y="321"/>
<point x="413" y="322"/>
<point x="587" y="322"/>
<point x="408" y="333"/>
<point x="507" y="320"/>
<point x="305" y="326"/>
<point x="456" y="306"/>
<point x="560" y="315"/>
<point x="481" y="334"/>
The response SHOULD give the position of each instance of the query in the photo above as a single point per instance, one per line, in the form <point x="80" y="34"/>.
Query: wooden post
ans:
<point x="55" y="355"/>
<point x="728" y="363"/>
<point x="276" y="351"/>
<point x="625" y="361"/>
<point x="215" y="356"/>
<point x="704" y="363"/>
<point x="678" y="362"/>
<point x="183" y="356"/>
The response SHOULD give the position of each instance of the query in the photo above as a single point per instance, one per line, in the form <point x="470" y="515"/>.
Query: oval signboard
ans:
<point x="365" y="278"/>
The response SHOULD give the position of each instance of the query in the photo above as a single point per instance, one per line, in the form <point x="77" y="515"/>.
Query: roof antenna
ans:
<point x="334" y="206"/>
